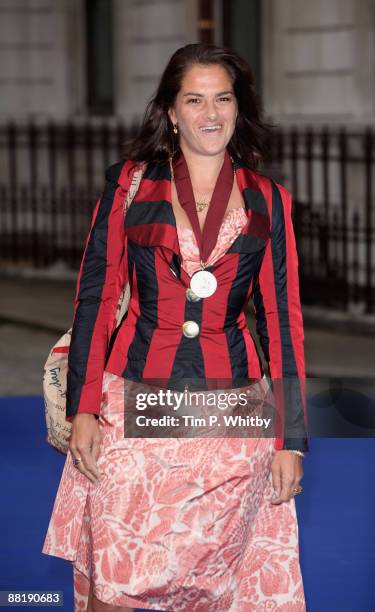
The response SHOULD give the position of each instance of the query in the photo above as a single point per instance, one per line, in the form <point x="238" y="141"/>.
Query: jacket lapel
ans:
<point x="257" y="231"/>
<point x="150" y="219"/>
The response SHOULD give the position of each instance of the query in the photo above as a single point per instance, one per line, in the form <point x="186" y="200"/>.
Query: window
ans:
<point x="99" y="40"/>
<point x="241" y="21"/>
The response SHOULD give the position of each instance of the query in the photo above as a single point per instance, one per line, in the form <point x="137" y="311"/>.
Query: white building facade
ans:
<point x="60" y="59"/>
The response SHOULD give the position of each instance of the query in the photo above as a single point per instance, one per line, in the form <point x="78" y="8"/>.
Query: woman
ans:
<point x="186" y="524"/>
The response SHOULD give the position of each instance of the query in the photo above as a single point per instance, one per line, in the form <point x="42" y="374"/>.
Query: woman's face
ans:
<point x="206" y="100"/>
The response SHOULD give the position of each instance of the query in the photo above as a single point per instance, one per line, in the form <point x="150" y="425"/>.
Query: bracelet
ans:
<point x="296" y="452"/>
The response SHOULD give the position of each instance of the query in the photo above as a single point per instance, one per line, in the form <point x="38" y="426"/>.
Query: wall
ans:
<point x="43" y="47"/>
<point x="41" y="58"/>
<point x="319" y="60"/>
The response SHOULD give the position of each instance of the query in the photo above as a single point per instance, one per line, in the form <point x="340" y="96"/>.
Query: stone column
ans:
<point x="146" y="33"/>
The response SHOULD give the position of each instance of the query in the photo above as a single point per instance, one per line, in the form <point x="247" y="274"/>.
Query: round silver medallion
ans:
<point x="203" y="283"/>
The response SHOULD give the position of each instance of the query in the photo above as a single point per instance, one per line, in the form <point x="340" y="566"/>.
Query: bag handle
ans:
<point x="134" y="186"/>
<point x="124" y="298"/>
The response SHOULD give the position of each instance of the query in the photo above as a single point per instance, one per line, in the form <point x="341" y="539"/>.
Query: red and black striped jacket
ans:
<point x="261" y="264"/>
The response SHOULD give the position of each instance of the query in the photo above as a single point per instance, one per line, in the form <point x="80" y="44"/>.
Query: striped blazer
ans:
<point x="261" y="264"/>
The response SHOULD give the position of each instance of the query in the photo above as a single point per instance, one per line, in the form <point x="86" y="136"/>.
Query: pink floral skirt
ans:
<point x="177" y="524"/>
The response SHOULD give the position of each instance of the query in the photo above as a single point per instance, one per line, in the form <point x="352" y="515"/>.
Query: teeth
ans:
<point x="212" y="128"/>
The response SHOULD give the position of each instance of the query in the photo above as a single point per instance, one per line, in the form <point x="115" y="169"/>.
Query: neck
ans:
<point x="203" y="169"/>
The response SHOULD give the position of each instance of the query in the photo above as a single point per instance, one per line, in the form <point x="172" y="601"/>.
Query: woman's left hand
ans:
<point x="287" y="473"/>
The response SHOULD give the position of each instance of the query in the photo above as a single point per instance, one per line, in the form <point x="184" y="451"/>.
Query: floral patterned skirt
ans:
<point x="177" y="524"/>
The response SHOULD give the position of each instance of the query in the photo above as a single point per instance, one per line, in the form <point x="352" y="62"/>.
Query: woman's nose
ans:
<point x="211" y="111"/>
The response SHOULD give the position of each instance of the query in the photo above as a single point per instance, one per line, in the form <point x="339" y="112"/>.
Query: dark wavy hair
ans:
<point x="156" y="141"/>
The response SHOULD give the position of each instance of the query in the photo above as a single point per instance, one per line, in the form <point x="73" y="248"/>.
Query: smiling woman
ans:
<point x="189" y="524"/>
<point x="205" y="121"/>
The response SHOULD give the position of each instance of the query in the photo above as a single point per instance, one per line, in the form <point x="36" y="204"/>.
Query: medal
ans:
<point x="203" y="283"/>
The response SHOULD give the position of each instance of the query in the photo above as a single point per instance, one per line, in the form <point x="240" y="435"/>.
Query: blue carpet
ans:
<point x="336" y="514"/>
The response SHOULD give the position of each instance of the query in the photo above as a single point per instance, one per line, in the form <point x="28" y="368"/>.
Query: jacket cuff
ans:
<point x="71" y="416"/>
<point x="301" y="444"/>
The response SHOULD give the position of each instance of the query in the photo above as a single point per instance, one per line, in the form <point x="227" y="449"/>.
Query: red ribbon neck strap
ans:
<point x="207" y="239"/>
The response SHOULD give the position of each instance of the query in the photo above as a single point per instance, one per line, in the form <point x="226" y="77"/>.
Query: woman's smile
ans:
<point x="211" y="129"/>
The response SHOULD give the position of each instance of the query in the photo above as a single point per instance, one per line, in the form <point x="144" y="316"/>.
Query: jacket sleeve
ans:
<point x="100" y="281"/>
<point x="279" y="323"/>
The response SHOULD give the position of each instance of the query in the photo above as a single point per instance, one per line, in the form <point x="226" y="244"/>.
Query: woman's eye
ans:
<point x="221" y="99"/>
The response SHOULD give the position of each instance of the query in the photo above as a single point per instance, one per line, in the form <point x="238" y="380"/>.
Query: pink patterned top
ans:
<point x="233" y="222"/>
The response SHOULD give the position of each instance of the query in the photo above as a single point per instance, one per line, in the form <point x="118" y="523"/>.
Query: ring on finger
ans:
<point x="76" y="461"/>
<point x="296" y="490"/>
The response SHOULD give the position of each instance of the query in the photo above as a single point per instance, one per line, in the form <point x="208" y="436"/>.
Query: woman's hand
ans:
<point x="84" y="444"/>
<point x="287" y="473"/>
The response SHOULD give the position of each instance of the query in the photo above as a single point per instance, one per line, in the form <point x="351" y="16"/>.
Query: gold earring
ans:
<point x="175" y="128"/>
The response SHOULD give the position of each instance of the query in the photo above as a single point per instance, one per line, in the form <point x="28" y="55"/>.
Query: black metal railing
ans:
<point x="51" y="176"/>
<point x="60" y="155"/>
<point x="40" y="228"/>
<point x="330" y="173"/>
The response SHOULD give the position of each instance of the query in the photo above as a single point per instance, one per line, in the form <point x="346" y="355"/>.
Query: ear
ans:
<point x="172" y="115"/>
